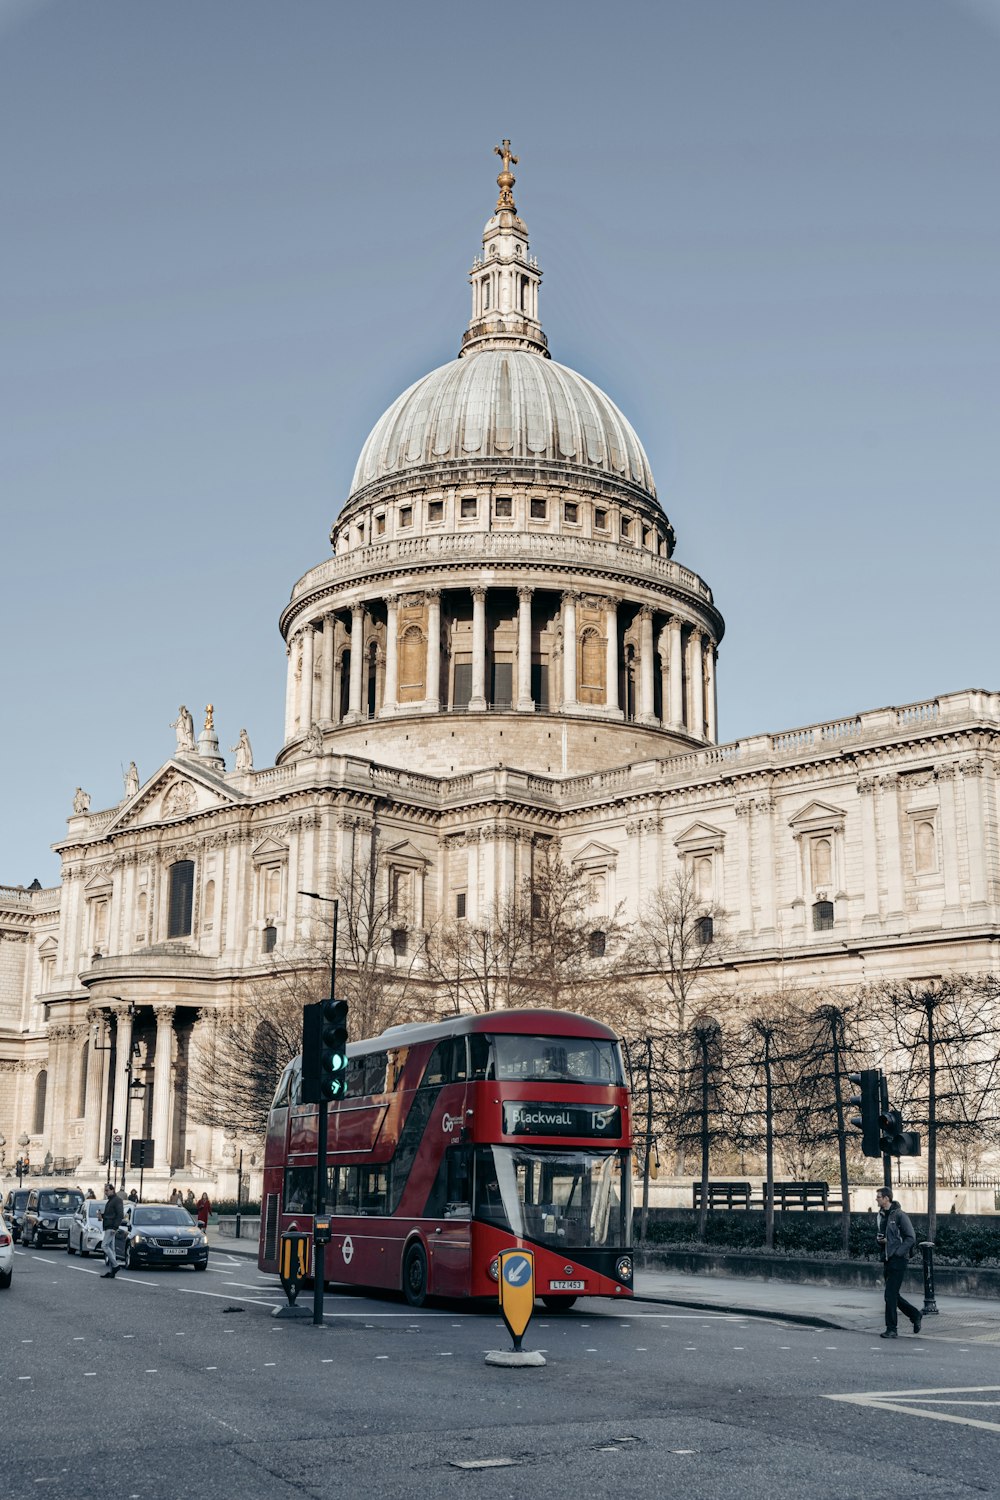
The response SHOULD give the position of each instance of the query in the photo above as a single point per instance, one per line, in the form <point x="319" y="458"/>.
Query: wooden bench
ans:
<point x="723" y="1194"/>
<point x="803" y="1195"/>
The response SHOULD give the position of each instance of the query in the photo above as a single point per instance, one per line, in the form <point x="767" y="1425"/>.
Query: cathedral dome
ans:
<point x="506" y="404"/>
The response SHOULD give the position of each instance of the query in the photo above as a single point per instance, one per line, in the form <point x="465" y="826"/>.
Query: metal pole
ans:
<point x="319" y="1250"/>
<point x="927" y="1248"/>
<point x="239" y="1194"/>
<point x="128" y="1111"/>
<point x="883" y="1102"/>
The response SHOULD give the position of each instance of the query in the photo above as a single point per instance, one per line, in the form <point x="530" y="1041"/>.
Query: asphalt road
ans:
<point x="165" y="1384"/>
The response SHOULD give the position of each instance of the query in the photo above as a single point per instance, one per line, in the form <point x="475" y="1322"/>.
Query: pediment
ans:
<point x="594" y="853"/>
<point x="817" y="815"/>
<point x="180" y="789"/>
<point x="405" y="853"/>
<point x="101" y="885"/>
<point x="700" y="835"/>
<point x="268" y="850"/>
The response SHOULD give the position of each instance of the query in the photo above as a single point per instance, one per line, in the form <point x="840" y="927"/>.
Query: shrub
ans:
<point x="959" y="1241"/>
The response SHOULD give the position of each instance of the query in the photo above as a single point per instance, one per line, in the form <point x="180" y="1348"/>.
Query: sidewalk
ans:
<point x="959" y="1319"/>
<point x="246" y="1247"/>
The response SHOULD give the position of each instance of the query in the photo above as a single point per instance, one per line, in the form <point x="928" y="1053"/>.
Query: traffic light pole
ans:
<point x="319" y="1207"/>
<point x="883" y="1095"/>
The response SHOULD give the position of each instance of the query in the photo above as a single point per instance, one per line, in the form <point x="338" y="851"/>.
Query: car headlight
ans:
<point x="138" y="1239"/>
<point x="48" y="1223"/>
<point x="623" y="1268"/>
<point x="200" y="1239"/>
<point x="493" y="1269"/>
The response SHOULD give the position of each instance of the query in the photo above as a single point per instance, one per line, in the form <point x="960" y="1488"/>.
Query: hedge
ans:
<point x="960" y="1240"/>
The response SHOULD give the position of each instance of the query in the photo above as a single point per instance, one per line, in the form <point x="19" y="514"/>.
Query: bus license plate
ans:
<point x="566" y="1286"/>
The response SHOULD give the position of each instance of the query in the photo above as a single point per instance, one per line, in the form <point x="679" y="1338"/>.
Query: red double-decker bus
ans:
<point x="459" y="1139"/>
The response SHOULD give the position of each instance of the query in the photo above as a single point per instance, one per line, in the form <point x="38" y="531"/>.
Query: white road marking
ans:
<point x="916" y="1403"/>
<point x="191" y="1291"/>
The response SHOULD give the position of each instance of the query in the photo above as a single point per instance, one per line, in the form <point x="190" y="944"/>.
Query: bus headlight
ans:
<point x="623" y="1268"/>
<point x="493" y="1270"/>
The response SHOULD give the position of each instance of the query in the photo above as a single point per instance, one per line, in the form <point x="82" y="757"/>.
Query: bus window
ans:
<point x="373" y="1184"/>
<point x="375" y="1073"/>
<point x="449" y="1196"/>
<point x="479" y="1057"/>
<point x="409" y="1143"/>
<point x="347" y="1190"/>
<point x="563" y="1059"/>
<point x="489" y="1203"/>
<point x="356" y="1076"/>
<point x="446" y="1064"/>
<point x="565" y="1198"/>
<point x="281" y="1092"/>
<point x="300" y="1183"/>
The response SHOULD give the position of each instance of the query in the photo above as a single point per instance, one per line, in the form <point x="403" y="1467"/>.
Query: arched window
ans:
<point x="181" y="900"/>
<point x="486" y="293"/>
<point x="345" y="684"/>
<point x="208" y="907"/>
<point x="704" y="930"/>
<point x="82" y="1091"/>
<point x="591" y="666"/>
<point x="269" y="939"/>
<point x="822" y="862"/>
<point x="598" y="944"/>
<point x="925" y="847"/>
<point x="38" y="1114"/>
<point x="412" y="659"/>
<point x="372" y="680"/>
<point x="703" y="878"/>
<point x="822" y="916"/>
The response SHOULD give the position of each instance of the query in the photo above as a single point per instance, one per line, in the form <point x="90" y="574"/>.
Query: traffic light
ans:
<point x="19" y="1168"/>
<point x="324" y="1051"/>
<point x="893" y="1139"/>
<point x="867" y="1100"/>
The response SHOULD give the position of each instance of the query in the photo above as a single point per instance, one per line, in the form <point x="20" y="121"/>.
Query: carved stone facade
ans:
<point x="501" y="651"/>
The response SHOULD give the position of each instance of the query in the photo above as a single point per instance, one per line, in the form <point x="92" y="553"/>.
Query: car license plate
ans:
<point x="566" y="1286"/>
<point x="175" y="1252"/>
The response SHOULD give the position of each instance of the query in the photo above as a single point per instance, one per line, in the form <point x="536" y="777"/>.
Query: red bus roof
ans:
<point x="528" y="1021"/>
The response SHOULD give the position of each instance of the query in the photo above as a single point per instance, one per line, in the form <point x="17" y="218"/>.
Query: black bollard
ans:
<point x="927" y="1251"/>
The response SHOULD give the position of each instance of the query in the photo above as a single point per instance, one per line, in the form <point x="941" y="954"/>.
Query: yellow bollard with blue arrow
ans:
<point x="516" y="1282"/>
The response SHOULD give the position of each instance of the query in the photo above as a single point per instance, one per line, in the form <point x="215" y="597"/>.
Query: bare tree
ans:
<point x="678" y="941"/>
<point x="236" y="1071"/>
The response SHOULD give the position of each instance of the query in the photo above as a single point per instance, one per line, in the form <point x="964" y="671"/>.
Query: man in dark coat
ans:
<point x="897" y="1239"/>
<point x="112" y="1217"/>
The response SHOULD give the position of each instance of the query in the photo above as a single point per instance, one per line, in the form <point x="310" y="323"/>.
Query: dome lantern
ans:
<point x="505" y="279"/>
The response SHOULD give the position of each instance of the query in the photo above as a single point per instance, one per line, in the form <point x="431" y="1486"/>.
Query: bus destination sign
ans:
<point x="524" y="1117"/>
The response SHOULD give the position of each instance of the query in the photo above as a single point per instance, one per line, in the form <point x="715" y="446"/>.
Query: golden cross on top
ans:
<point x="506" y="179"/>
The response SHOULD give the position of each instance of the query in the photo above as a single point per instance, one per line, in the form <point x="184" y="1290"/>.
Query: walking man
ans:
<point x="897" y="1239"/>
<point x="112" y="1217"/>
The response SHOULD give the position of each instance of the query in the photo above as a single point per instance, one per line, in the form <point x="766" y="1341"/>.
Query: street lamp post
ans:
<point x="319" y="1246"/>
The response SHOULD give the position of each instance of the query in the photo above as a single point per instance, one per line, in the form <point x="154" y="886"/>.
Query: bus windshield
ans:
<point x="566" y="1199"/>
<point x="556" y="1059"/>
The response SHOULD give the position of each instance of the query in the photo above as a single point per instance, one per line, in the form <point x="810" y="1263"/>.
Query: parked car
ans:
<point x="13" y="1210"/>
<point x="86" y="1230"/>
<point x="48" y="1215"/>
<point x="6" y="1254"/>
<point x="160" y="1234"/>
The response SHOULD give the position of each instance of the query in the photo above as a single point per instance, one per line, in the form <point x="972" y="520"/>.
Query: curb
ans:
<point x="808" y="1320"/>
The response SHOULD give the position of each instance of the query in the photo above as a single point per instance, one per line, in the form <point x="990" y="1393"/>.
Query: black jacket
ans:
<point x="114" y="1212"/>
<point x="899" y="1235"/>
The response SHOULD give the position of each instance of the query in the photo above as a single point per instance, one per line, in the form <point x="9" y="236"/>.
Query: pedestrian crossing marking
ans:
<point x="923" y="1403"/>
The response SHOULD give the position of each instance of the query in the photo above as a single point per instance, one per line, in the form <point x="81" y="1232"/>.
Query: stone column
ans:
<point x="646" y="715"/>
<point x="696" y="685"/>
<point x="326" y="672"/>
<point x="95" y="1074"/>
<point x="711" y="721"/>
<point x="433" y="674"/>
<point x="611" y="659"/>
<point x="306" y="684"/>
<point x="891" y="852"/>
<point x="676" y="717"/>
<point x="161" y="1086"/>
<point x="290" y="703"/>
<point x="357" y="662"/>
<point x="123" y="1052"/>
<point x="478" y="700"/>
<point x="569" y="651"/>
<point x="525" y="702"/>
<point x="391" y="688"/>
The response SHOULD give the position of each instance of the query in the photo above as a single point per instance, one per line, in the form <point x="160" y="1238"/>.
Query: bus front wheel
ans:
<point x="415" y="1276"/>
<point x="558" y="1303"/>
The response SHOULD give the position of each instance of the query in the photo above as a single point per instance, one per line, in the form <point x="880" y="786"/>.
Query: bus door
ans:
<point x="449" y="1240"/>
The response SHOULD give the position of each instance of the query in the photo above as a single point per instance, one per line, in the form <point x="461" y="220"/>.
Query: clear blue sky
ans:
<point x="234" y="230"/>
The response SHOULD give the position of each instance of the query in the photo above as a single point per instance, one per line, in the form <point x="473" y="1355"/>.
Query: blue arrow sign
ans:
<point x="517" y="1269"/>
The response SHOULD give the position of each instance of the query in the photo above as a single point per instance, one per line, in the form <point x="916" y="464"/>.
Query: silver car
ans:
<point x="86" y="1230"/>
<point x="6" y="1254"/>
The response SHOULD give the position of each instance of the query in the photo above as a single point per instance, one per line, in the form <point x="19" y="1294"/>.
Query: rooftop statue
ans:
<point x="184" y="724"/>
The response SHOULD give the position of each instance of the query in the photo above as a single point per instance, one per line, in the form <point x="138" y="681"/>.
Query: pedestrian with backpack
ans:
<point x="897" y="1241"/>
